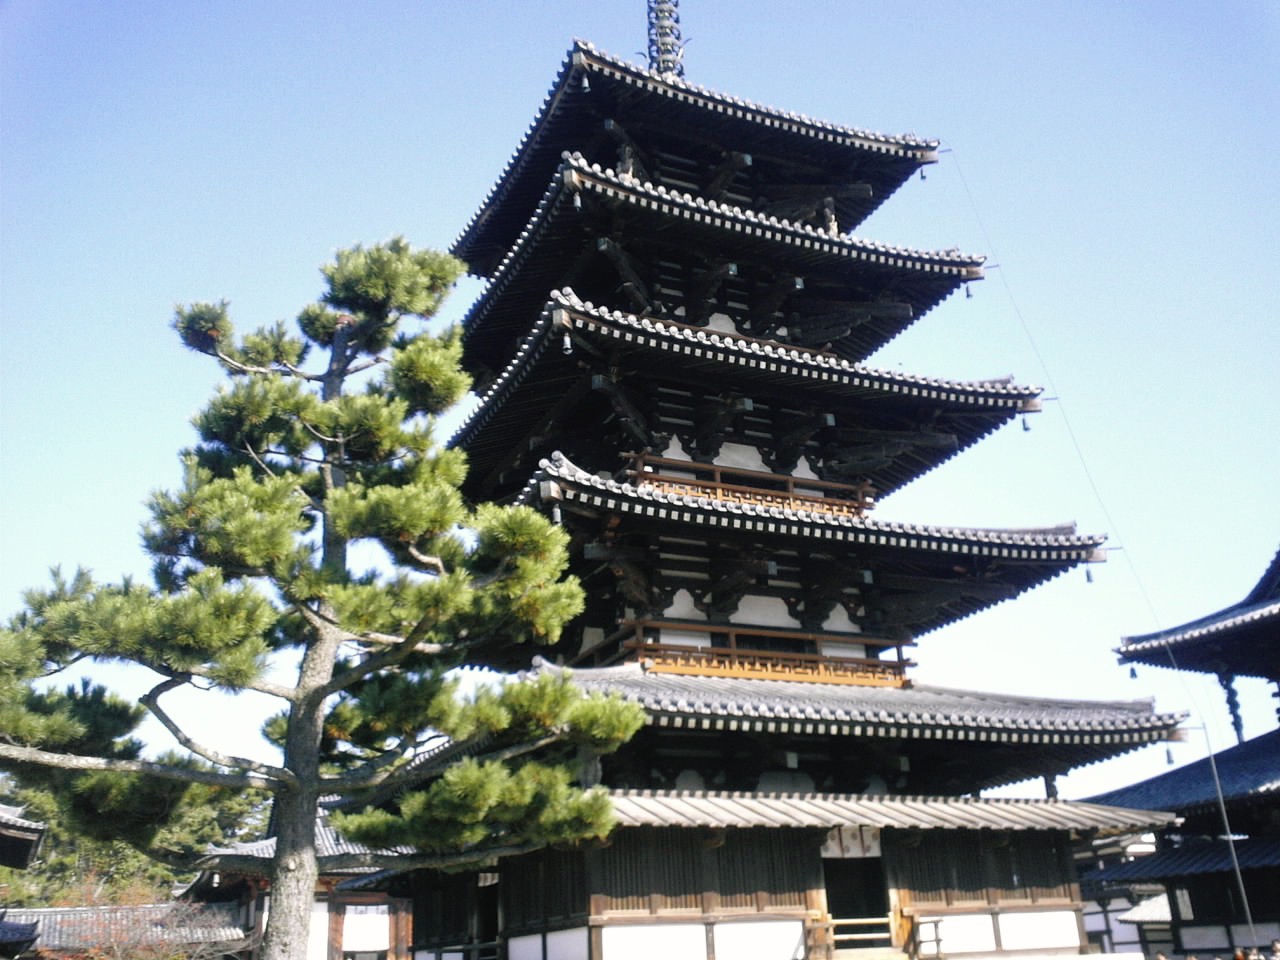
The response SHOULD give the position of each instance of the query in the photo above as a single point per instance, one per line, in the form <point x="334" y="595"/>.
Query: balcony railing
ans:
<point x="734" y="650"/>
<point x="737" y="485"/>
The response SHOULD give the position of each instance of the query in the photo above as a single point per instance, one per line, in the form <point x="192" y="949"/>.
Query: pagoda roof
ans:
<point x="1242" y="639"/>
<point x="554" y="239"/>
<point x="537" y="377"/>
<point x="1023" y="558"/>
<point x="1193" y="859"/>
<point x="915" y="712"/>
<point x="1248" y="772"/>
<point x="722" y="809"/>
<point x="592" y="86"/>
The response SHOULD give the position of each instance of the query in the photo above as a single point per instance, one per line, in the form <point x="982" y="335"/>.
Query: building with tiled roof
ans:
<point x="672" y="356"/>
<point x="164" y="929"/>
<point x="1242" y="640"/>
<point x="1220" y="864"/>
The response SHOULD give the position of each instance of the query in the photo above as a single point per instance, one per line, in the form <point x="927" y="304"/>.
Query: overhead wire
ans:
<point x="1114" y="526"/>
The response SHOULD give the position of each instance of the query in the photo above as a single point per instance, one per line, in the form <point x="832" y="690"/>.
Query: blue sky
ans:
<point x="1115" y="162"/>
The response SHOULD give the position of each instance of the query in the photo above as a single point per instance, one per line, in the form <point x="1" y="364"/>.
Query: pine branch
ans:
<point x="73" y="761"/>
<point x="398" y="860"/>
<point x="151" y="700"/>
<point x="415" y="773"/>
<point x="283" y="369"/>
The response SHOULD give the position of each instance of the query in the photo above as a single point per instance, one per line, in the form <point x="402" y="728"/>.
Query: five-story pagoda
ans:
<point x="670" y="355"/>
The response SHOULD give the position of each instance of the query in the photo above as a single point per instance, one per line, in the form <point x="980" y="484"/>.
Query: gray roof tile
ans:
<point x="666" y="808"/>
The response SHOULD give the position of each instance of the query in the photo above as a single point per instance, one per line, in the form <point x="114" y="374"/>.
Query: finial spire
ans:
<point x="666" y="48"/>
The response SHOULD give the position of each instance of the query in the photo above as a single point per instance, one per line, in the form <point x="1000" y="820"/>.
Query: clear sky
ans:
<point x="1115" y="162"/>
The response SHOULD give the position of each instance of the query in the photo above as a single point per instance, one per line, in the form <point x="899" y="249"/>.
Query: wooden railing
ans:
<point x="738" y="485"/>
<point x="737" y="653"/>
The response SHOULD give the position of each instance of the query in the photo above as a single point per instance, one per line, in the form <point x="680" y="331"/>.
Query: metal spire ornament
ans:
<point x="666" y="48"/>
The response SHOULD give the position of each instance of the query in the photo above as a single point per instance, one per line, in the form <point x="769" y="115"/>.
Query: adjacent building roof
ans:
<point x="1240" y="640"/>
<point x="593" y="87"/>
<point x="555" y="243"/>
<point x="1246" y="771"/>
<point x="1152" y="910"/>
<point x="916" y="712"/>
<point x="1196" y="857"/>
<point x="541" y="372"/>
<point x="669" y="808"/>
<point x="78" y="929"/>
<point x="19" y="837"/>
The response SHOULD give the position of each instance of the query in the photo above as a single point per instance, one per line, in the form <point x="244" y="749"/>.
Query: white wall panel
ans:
<point x="1036" y="931"/>
<point x="664" y="941"/>
<point x="762" y="940"/>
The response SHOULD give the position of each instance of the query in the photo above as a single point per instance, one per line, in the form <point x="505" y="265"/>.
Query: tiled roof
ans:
<point x="669" y="808"/>
<point x="572" y="112"/>
<point x="12" y="817"/>
<point x="79" y="928"/>
<point x="917" y="712"/>
<point x="1249" y="769"/>
<point x="1196" y="857"/>
<point x="329" y="843"/>
<point x="1059" y="543"/>
<point x="1242" y="639"/>
<point x="554" y="237"/>
<point x="970" y="410"/>
<point x="1152" y="910"/>
<point x="579" y="175"/>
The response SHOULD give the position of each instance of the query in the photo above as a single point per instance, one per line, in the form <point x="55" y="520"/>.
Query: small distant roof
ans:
<point x="1247" y="770"/>
<point x="75" y="929"/>
<point x="581" y="97"/>
<point x="916" y="712"/>
<point x="19" y="837"/>
<point x="715" y="809"/>
<point x="1152" y="910"/>
<point x="1241" y="640"/>
<point x="1195" y="858"/>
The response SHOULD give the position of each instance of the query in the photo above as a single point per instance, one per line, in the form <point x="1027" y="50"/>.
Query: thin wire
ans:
<point x="1111" y="524"/>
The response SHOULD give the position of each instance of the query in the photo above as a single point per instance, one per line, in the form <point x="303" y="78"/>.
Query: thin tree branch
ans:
<point x="374" y="859"/>
<point x="151" y="700"/>
<point x="73" y="761"/>
<point x="414" y="773"/>
<point x="282" y="369"/>
<point x="431" y="563"/>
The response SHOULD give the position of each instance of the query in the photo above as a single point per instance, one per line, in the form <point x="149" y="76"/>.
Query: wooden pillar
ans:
<point x="337" y="918"/>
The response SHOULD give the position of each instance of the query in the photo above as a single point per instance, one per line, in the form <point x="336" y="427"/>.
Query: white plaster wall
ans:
<point x="962" y="934"/>
<point x="675" y="451"/>
<point x="763" y="612"/>
<point x="1038" y="930"/>
<point x="568" y="944"/>
<point x="684" y="638"/>
<point x="763" y="940"/>
<point x="318" y="935"/>
<point x="721" y="322"/>
<point x="838" y="621"/>
<point x="804" y="470"/>
<point x="834" y="648"/>
<point x="666" y="941"/>
<point x="683" y="608"/>
<point x="741" y="456"/>
<point x="366" y="927"/>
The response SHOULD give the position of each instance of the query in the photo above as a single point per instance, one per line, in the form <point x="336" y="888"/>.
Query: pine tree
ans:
<point x="298" y="459"/>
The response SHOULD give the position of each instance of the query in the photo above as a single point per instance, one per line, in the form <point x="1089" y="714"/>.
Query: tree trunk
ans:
<point x="294" y="873"/>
